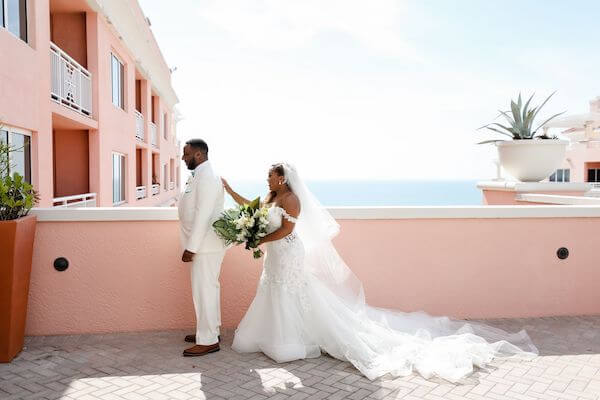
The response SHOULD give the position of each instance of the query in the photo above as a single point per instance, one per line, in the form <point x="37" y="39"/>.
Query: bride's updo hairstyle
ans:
<point x="278" y="169"/>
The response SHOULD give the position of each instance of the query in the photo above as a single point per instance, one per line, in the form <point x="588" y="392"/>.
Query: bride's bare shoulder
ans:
<point x="291" y="204"/>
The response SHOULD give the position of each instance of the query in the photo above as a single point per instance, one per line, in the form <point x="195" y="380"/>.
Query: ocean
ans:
<point x="378" y="193"/>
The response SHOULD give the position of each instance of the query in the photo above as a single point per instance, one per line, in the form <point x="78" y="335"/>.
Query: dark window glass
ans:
<point x="552" y="177"/>
<point x="567" y="175"/>
<point x="591" y="175"/>
<point x="559" y="175"/>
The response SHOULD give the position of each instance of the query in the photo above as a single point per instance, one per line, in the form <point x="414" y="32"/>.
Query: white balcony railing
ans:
<point x="171" y="185"/>
<point x="140" y="192"/>
<point x="595" y="185"/>
<point x="139" y="125"/>
<point x="155" y="189"/>
<point x="76" y="201"/>
<point x="71" y="83"/>
<point x="154" y="132"/>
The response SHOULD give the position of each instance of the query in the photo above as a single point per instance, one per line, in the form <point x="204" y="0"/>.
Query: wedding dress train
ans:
<point x="308" y="301"/>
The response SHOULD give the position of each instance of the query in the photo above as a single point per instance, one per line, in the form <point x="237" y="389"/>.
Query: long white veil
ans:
<point x="316" y="228"/>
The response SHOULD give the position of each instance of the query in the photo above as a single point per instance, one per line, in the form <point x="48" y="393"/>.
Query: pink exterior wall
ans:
<point x="578" y="154"/>
<point x="126" y="276"/>
<point x="25" y="85"/>
<point x="25" y="79"/>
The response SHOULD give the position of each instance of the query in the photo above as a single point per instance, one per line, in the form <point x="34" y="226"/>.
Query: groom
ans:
<point x="200" y="205"/>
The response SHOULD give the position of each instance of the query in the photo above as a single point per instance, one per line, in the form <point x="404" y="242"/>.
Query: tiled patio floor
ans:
<point x="149" y="366"/>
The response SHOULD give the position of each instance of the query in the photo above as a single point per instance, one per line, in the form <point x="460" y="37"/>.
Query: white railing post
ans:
<point x="78" y="200"/>
<point x="154" y="133"/>
<point x="139" y="125"/>
<point x="71" y="83"/>
<point x="140" y="192"/>
<point x="155" y="189"/>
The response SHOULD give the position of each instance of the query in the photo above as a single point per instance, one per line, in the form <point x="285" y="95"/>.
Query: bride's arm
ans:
<point x="291" y="206"/>
<point x="236" y="197"/>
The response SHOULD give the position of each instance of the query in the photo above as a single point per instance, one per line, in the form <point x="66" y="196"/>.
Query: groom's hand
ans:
<point x="187" y="256"/>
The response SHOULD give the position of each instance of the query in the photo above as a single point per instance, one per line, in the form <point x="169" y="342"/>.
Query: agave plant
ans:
<point x="520" y="121"/>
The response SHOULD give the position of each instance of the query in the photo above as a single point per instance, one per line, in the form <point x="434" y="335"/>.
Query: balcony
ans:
<point x="154" y="133"/>
<point x="171" y="185"/>
<point x="71" y="83"/>
<point x="139" y="125"/>
<point x="76" y="201"/>
<point x="140" y="192"/>
<point x="155" y="189"/>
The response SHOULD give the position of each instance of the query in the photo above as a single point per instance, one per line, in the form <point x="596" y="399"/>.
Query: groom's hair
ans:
<point x="198" y="144"/>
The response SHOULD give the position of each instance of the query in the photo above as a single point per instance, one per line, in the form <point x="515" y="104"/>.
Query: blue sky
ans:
<point x="378" y="89"/>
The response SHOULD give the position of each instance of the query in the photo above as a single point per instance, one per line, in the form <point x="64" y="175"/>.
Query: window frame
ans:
<point x="596" y="175"/>
<point x="12" y="130"/>
<point x="22" y="19"/>
<point x="122" y="73"/>
<point x="122" y="176"/>
<point x="564" y="173"/>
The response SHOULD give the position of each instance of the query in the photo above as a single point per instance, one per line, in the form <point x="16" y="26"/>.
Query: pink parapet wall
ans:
<point x="127" y="275"/>
<point x="508" y="192"/>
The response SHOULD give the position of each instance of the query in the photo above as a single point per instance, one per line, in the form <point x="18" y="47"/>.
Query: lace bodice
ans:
<point x="284" y="261"/>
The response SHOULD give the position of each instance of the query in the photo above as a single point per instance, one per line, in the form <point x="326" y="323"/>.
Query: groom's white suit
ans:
<point x="200" y="205"/>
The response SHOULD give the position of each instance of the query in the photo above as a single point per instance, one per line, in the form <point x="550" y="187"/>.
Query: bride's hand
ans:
<point x="226" y="185"/>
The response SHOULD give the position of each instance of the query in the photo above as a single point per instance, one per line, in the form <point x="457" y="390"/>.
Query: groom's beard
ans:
<point x="192" y="164"/>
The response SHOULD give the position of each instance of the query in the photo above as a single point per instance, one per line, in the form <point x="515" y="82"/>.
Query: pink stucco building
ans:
<point x="87" y="97"/>
<point x="582" y="162"/>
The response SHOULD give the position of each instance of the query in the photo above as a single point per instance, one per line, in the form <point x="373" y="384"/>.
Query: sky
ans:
<point x="369" y="90"/>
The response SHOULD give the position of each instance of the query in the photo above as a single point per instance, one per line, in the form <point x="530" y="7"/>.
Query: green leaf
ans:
<point x="254" y="204"/>
<point x="548" y="120"/>
<point x="499" y="131"/>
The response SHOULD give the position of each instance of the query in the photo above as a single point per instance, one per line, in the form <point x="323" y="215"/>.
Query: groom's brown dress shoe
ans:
<point x="200" y="350"/>
<point x="192" y="338"/>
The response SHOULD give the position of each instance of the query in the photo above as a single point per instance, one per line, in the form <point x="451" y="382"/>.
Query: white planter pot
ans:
<point x="532" y="160"/>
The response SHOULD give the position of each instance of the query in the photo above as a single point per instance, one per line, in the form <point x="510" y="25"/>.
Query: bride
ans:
<point x="308" y="301"/>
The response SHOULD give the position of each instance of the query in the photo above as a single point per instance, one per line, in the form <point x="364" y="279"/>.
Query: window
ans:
<point x="119" y="172"/>
<point x="118" y="90"/>
<point x="13" y="16"/>
<point x="165" y="130"/>
<point x="165" y="183"/>
<point x="20" y="155"/>
<point x="561" y="175"/>
<point x="593" y="175"/>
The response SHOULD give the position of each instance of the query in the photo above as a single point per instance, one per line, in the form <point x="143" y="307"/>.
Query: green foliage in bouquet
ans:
<point x="245" y="223"/>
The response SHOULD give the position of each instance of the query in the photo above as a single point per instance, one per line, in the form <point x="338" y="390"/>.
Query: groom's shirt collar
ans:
<point x="200" y="167"/>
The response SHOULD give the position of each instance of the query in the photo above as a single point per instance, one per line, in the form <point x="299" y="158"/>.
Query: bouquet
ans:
<point x="246" y="223"/>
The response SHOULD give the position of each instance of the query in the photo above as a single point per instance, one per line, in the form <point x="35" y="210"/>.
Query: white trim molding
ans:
<point x="340" y="213"/>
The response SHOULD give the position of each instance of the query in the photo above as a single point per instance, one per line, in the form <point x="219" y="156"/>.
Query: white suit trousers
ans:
<point x="206" y="289"/>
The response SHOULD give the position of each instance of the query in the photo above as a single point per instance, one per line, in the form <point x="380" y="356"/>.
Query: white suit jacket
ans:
<point x="200" y="205"/>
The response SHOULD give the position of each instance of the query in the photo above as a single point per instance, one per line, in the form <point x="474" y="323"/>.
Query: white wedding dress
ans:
<point x="308" y="301"/>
